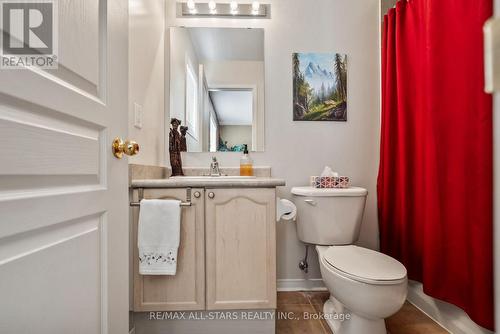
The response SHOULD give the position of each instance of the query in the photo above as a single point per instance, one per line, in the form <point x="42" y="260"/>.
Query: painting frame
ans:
<point x="319" y="86"/>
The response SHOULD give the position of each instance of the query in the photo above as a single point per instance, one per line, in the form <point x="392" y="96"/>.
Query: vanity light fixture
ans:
<point x="228" y="9"/>
<point x="255" y="7"/>
<point x="212" y="6"/>
<point x="191" y="6"/>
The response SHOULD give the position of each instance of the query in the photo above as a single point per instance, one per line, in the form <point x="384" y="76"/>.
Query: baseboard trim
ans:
<point x="301" y="284"/>
<point x="449" y="316"/>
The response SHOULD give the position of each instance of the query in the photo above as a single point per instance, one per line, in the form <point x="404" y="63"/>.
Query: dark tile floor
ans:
<point x="409" y="320"/>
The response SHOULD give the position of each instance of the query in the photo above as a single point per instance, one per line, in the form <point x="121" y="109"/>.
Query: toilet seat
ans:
<point x="364" y="265"/>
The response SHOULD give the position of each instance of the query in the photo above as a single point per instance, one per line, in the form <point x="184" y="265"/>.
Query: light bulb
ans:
<point x="212" y="6"/>
<point x="191" y="7"/>
<point x="255" y="6"/>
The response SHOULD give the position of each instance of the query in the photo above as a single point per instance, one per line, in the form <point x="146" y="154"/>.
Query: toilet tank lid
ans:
<point x="327" y="192"/>
<point x="364" y="263"/>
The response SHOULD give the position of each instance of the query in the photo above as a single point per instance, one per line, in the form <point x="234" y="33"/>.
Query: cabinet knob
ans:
<point x="211" y="195"/>
<point x="197" y="194"/>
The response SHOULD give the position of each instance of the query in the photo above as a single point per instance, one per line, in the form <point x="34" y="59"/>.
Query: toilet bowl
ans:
<point x="365" y="286"/>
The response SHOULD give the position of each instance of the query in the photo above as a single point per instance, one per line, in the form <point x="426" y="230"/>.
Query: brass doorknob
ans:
<point x="129" y="147"/>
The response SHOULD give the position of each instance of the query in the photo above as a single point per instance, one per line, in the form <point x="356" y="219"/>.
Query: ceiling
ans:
<point x="227" y="44"/>
<point x="233" y="107"/>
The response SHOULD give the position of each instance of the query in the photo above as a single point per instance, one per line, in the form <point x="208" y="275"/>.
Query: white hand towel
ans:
<point x="158" y="236"/>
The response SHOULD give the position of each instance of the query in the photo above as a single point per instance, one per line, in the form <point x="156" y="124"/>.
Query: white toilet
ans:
<point x="365" y="286"/>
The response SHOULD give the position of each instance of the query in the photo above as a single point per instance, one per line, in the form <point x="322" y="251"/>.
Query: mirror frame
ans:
<point x="258" y="115"/>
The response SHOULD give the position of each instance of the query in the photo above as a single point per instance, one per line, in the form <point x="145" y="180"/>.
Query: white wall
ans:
<point x="296" y="150"/>
<point x="249" y="74"/>
<point x="146" y="83"/>
<point x="236" y="134"/>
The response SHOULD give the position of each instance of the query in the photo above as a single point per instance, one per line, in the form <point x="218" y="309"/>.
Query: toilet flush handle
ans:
<point x="310" y="201"/>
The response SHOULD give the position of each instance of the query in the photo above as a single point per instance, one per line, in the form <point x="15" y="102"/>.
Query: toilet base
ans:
<point x="342" y="321"/>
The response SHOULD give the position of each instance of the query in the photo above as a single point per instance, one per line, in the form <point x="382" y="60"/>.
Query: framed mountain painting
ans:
<point x="319" y="87"/>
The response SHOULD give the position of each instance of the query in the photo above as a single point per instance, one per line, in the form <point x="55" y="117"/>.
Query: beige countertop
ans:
<point x="214" y="182"/>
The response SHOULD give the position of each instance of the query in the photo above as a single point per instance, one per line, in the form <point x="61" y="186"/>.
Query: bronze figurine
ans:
<point x="174" y="148"/>
<point x="183" y="138"/>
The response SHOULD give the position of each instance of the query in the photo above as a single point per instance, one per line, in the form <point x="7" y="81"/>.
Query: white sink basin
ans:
<point x="204" y="178"/>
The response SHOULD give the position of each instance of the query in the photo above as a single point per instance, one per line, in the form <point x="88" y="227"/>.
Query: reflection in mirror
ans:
<point x="217" y="87"/>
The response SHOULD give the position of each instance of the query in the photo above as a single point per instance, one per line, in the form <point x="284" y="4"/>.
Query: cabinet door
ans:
<point x="240" y="248"/>
<point x="185" y="290"/>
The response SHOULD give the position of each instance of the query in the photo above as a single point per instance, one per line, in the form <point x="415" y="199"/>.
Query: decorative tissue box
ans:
<point x="330" y="181"/>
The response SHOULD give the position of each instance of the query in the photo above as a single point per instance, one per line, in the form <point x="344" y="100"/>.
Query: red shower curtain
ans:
<point x="435" y="177"/>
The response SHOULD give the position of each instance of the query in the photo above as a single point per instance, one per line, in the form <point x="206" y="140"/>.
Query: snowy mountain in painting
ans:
<point x="318" y="76"/>
<point x="314" y="70"/>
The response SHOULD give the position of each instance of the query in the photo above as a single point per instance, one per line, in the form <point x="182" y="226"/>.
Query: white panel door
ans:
<point x="63" y="196"/>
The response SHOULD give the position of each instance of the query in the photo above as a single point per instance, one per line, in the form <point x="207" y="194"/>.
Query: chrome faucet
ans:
<point x="214" y="168"/>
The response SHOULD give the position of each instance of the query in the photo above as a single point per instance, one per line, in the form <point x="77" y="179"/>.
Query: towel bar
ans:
<point x="141" y="196"/>
<point x="182" y="203"/>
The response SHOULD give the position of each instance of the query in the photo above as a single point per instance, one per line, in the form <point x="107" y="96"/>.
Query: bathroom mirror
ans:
<point x="217" y="87"/>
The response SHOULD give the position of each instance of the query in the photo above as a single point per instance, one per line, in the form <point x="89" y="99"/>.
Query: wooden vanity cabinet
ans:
<point x="227" y="253"/>
<point x="185" y="290"/>
<point x="240" y="227"/>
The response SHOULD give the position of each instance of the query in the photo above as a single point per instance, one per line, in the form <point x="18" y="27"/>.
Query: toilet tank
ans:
<point x="329" y="216"/>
